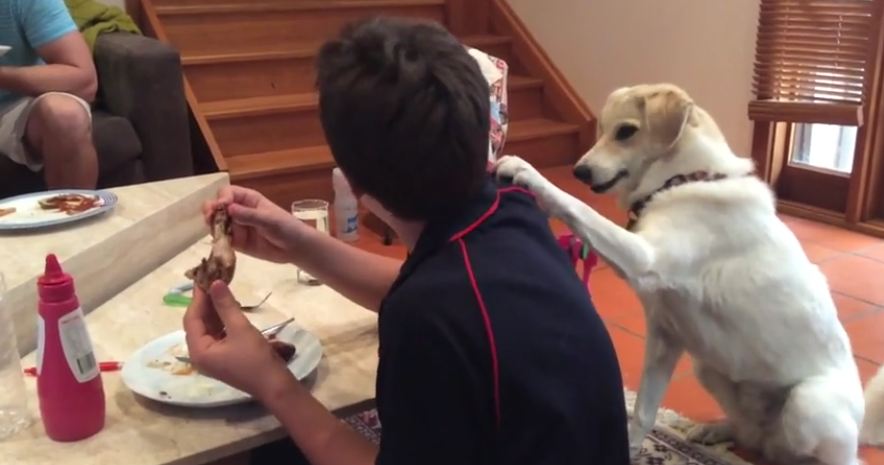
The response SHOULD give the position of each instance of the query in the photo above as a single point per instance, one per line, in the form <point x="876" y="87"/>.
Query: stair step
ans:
<point x="306" y="53"/>
<point x="495" y="45"/>
<point x="525" y="97"/>
<point x="254" y="27"/>
<point x="272" y="104"/>
<point x="543" y="142"/>
<point x="262" y="105"/>
<point x="271" y="123"/>
<point x="278" y="69"/>
<point x="288" y="174"/>
<point x="538" y="128"/>
<point x="309" y="51"/>
<point x="280" y="162"/>
<point x="517" y="82"/>
<point x="296" y="160"/>
<point x="487" y="40"/>
<point x="277" y="6"/>
<point x="159" y="3"/>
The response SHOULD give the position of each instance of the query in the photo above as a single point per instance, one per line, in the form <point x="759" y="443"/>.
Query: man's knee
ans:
<point x="61" y="118"/>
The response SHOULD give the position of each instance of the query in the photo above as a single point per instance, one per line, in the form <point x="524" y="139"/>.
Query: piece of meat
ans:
<point x="285" y="350"/>
<point x="221" y="263"/>
<point x="70" y="203"/>
<point x="6" y="211"/>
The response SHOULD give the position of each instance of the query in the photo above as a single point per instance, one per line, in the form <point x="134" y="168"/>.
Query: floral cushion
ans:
<point x="495" y="71"/>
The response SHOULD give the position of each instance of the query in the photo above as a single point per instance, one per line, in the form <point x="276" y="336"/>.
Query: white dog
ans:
<point x="721" y="278"/>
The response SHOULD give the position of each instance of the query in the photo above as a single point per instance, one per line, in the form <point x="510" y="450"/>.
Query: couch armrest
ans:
<point x="141" y="80"/>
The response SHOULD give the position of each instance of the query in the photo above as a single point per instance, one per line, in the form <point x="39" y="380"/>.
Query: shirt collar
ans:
<point x="439" y="232"/>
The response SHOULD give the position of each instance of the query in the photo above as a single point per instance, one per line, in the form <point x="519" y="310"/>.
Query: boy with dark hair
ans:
<point x="405" y="101"/>
<point x="490" y="350"/>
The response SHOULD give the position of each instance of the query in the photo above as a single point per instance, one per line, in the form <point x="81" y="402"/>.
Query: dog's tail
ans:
<point x="872" y="433"/>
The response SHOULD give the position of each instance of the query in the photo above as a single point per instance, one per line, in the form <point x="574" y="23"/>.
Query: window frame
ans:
<point x="855" y="201"/>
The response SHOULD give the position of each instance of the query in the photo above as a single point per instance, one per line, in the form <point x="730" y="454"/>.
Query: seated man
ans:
<point x="490" y="349"/>
<point x="47" y="80"/>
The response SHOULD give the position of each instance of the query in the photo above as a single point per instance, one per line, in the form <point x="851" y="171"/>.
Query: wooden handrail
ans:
<point x="152" y="27"/>
<point x="559" y="94"/>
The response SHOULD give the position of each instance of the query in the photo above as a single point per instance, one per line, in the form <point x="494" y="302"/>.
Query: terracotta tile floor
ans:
<point x="854" y="264"/>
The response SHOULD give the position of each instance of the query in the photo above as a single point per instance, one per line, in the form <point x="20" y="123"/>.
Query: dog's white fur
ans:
<point x="721" y="278"/>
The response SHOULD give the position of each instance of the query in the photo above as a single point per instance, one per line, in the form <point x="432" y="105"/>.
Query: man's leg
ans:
<point x="59" y="131"/>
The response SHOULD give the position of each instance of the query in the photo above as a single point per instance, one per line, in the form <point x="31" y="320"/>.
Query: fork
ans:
<point x="269" y="332"/>
<point x="249" y="308"/>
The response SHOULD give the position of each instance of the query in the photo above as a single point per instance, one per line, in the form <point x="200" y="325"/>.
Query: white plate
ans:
<point x="28" y="214"/>
<point x="4" y="49"/>
<point x="141" y="375"/>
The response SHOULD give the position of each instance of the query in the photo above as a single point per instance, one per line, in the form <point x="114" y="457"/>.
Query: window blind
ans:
<point x="813" y="60"/>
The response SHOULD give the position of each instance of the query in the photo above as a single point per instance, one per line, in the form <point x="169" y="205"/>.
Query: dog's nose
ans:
<point x="583" y="173"/>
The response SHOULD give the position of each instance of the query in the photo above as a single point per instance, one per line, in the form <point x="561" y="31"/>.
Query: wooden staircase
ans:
<point x="249" y="75"/>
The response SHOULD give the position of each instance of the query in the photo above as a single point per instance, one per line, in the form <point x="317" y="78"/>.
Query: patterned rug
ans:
<point x="666" y="445"/>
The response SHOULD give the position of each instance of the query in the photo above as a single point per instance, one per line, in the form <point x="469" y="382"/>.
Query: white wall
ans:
<point x="705" y="46"/>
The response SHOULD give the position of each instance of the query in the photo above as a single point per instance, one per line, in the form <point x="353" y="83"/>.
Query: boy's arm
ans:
<point x="241" y="357"/>
<point x="69" y="66"/>
<point x="264" y="230"/>
<point x="361" y="276"/>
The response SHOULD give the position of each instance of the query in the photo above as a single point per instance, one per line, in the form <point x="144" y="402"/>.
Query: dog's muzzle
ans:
<point x="585" y="174"/>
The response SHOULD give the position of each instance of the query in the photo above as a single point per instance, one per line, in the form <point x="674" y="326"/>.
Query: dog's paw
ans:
<point x="513" y="169"/>
<point x="634" y="450"/>
<point x="710" y="434"/>
<point x="636" y="439"/>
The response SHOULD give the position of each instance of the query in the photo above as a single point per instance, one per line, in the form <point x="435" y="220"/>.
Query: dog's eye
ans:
<point x="625" y="132"/>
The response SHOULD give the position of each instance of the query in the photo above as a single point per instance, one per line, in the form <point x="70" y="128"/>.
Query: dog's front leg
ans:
<point x="661" y="356"/>
<point x="632" y="255"/>
<point x="628" y="252"/>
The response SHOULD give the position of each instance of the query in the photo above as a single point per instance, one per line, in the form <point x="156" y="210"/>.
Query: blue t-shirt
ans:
<point x="27" y="25"/>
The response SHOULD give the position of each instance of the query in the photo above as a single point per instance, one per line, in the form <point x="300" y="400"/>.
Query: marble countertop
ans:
<point x="141" y="432"/>
<point x="152" y="223"/>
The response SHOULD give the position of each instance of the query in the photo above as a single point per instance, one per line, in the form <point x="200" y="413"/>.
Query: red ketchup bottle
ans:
<point x="68" y="378"/>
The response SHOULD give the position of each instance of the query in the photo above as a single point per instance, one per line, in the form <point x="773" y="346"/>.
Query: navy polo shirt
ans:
<point x="491" y="351"/>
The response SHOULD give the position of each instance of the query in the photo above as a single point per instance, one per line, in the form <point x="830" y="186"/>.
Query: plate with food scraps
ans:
<point x="156" y="372"/>
<point x="51" y="208"/>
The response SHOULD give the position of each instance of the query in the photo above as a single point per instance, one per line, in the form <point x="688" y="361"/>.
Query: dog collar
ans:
<point x="639" y="205"/>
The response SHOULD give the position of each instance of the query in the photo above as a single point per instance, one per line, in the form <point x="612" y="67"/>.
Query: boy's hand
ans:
<point x="224" y="345"/>
<point x="260" y="227"/>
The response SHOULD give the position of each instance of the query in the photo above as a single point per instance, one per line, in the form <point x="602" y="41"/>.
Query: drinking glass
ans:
<point x="315" y="212"/>
<point x="14" y="413"/>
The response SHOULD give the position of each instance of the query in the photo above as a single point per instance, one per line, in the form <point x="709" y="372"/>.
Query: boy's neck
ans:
<point x="408" y="231"/>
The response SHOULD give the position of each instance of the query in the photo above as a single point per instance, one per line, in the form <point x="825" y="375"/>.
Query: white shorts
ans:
<point x="14" y="123"/>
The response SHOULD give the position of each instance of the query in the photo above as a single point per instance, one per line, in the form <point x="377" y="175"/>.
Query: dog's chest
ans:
<point x="703" y="330"/>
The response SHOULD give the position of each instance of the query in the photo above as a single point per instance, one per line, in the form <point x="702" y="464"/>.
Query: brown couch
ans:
<point x="140" y="118"/>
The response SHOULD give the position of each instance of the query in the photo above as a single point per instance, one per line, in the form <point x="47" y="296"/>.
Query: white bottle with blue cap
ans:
<point x="346" y="208"/>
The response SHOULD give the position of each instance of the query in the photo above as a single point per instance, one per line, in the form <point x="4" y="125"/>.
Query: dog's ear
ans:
<point x="667" y="112"/>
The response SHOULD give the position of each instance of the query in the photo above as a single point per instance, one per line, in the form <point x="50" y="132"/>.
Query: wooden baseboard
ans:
<point x="873" y="227"/>
<point x="811" y="213"/>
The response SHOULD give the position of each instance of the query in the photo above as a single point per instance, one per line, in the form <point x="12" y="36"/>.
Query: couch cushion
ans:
<point x="115" y="140"/>
<point x="15" y="179"/>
